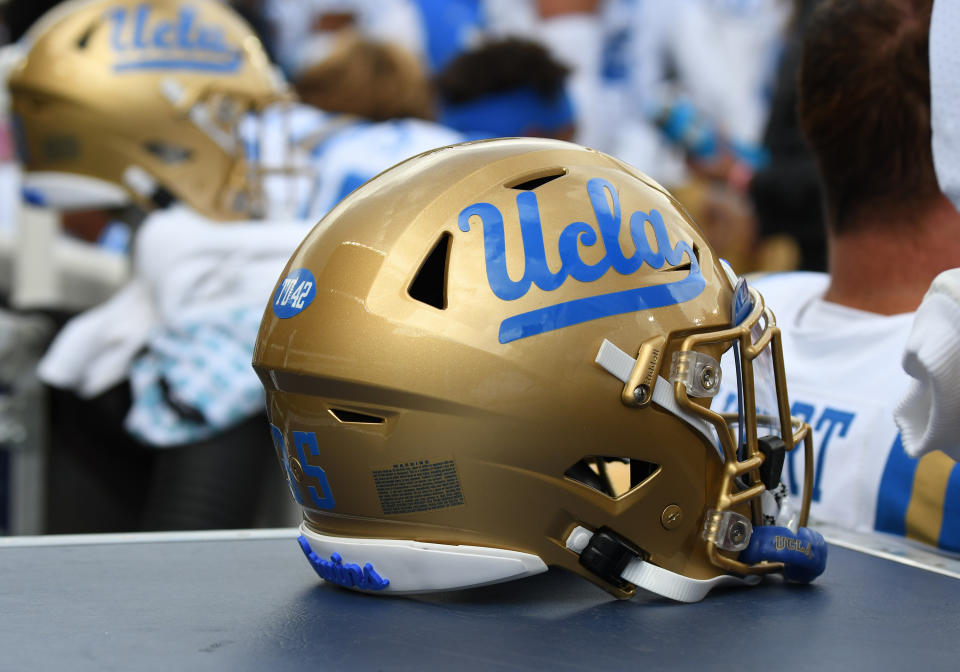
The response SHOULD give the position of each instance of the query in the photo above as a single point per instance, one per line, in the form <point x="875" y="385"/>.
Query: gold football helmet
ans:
<point x="453" y="402"/>
<point x="147" y="96"/>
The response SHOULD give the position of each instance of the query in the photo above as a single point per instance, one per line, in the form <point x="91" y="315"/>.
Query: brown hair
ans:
<point x="864" y="106"/>
<point x="501" y="65"/>
<point x="374" y="80"/>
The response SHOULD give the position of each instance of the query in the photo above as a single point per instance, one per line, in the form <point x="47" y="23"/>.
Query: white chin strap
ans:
<point x="658" y="580"/>
<point x="620" y="365"/>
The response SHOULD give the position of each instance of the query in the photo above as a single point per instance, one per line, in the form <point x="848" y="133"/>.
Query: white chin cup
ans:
<point x="421" y="567"/>
<point x="66" y="191"/>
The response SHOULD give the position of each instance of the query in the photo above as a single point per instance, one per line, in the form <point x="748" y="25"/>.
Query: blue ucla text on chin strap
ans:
<point x="606" y="206"/>
<point x="143" y="43"/>
<point x="348" y="574"/>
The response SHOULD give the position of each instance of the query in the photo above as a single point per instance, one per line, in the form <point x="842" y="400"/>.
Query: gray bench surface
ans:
<point x="250" y="601"/>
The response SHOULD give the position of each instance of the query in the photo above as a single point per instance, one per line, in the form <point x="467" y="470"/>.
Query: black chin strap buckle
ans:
<point x="607" y="555"/>
<point x="162" y="198"/>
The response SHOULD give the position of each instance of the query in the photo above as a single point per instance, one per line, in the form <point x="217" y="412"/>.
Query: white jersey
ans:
<point x="355" y="153"/>
<point x="844" y="378"/>
<point x="944" y="97"/>
<point x="299" y="44"/>
<point x="331" y="155"/>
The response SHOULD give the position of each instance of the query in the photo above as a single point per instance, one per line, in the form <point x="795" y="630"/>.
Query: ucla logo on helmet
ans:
<point x="142" y="41"/>
<point x="606" y="206"/>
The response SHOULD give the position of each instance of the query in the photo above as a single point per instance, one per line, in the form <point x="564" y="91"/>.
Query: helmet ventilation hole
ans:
<point x="84" y="38"/>
<point x="429" y="286"/>
<point x="611" y="476"/>
<point x="687" y="265"/>
<point x="681" y="267"/>
<point x="531" y="183"/>
<point x="167" y="152"/>
<point x="352" y="417"/>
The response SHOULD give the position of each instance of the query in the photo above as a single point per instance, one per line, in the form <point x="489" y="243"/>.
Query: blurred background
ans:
<point x="698" y="94"/>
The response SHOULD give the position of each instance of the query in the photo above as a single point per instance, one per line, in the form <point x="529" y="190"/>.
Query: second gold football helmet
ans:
<point x="146" y="99"/>
<point x="501" y="356"/>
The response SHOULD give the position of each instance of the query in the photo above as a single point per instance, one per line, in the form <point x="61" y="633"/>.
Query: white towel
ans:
<point x="93" y="352"/>
<point x="193" y="265"/>
<point x="186" y="268"/>
<point x="929" y="413"/>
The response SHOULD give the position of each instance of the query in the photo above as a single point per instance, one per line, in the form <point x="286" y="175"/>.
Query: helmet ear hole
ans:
<point x="353" y="417"/>
<point x="429" y="286"/>
<point x="85" y="36"/>
<point x="612" y="476"/>
<point x="168" y="152"/>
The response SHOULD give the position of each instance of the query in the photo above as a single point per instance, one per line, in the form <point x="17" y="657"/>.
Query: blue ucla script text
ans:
<point x="606" y="207"/>
<point x="344" y="574"/>
<point x="143" y="42"/>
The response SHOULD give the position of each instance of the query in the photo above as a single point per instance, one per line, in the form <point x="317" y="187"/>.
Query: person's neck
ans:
<point x="886" y="267"/>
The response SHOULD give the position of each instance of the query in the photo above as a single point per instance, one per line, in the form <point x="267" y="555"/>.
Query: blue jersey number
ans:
<point x="314" y="478"/>
<point x="832" y="422"/>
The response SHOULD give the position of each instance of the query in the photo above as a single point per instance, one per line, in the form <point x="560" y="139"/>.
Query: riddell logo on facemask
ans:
<point x="606" y="206"/>
<point x="143" y="41"/>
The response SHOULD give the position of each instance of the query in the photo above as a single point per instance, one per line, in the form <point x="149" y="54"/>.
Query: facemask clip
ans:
<point x="729" y="530"/>
<point x="699" y="373"/>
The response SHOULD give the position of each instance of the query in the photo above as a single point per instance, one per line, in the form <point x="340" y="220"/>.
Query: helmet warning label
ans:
<point x="420" y="485"/>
